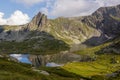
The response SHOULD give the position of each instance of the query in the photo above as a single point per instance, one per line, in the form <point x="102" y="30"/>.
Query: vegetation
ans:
<point x="101" y="66"/>
<point x="68" y="30"/>
<point x="115" y="18"/>
<point x="17" y="71"/>
<point x="34" y="46"/>
<point x="104" y="63"/>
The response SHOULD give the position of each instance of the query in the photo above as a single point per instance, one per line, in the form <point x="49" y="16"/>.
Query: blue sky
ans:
<point x="9" y="6"/>
<point x="16" y="12"/>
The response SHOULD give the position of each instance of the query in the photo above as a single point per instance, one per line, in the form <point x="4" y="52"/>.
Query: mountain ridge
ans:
<point x="90" y="30"/>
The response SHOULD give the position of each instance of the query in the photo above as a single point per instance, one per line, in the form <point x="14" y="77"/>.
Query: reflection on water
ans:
<point x="53" y="60"/>
<point x="21" y="58"/>
<point x="24" y="58"/>
<point x="52" y="64"/>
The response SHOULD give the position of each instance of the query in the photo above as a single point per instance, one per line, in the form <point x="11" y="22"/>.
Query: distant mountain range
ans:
<point x="95" y="29"/>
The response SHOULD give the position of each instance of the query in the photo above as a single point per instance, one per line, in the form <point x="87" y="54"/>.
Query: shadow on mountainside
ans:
<point x="94" y="41"/>
<point x="32" y="42"/>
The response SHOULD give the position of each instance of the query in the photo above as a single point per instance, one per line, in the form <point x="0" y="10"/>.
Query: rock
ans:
<point x="45" y="73"/>
<point x="41" y="71"/>
<point x="114" y="74"/>
<point x="1" y="56"/>
<point x="37" y="22"/>
<point x="106" y="20"/>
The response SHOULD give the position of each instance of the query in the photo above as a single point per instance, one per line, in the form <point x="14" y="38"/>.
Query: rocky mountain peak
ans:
<point x="113" y="10"/>
<point x="38" y="22"/>
<point x="105" y="19"/>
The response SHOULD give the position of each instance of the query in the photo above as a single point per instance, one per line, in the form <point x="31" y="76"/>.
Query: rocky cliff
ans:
<point x="106" y="20"/>
<point x="37" y="22"/>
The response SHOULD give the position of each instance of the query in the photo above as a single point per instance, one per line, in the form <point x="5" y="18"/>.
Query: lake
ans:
<point x="24" y="58"/>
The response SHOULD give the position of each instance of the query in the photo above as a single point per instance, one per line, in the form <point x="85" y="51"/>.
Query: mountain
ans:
<point x="106" y="20"/>
<point x="95" y="29"/>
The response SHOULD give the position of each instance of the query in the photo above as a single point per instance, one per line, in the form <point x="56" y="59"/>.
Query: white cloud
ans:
<point x="108" y="2"/>
<point x="28" y="2"/>
<point x="44" y="10"/>
<point x="2" y="21"/>
<point x="17" y="18"/>
<point x="17" y="56"/>
<point x="70" y="8"/>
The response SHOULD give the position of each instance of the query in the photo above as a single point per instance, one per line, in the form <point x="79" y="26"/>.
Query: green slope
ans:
<point x="69" y="30"/>
<point x="10" y="70"/>
<point x="104" y="63"/>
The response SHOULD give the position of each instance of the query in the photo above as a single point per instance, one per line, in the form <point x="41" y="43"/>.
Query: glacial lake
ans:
<point x="24" y="58"/>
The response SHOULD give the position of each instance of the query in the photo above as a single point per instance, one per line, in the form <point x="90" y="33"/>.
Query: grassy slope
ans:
<point x="17" y="71"/>
<point x="70" y="31"/>
<point x="98" y="68"/>
<point x="101" y="66"/>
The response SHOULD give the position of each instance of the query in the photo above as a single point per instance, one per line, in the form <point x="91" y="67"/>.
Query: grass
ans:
<point x="115" y="18"/>
<point x="91" y="51"/>
<point x="7" y="27"/>
<point x="10" y="70"/>
<point x="98" y="69"/>
<point x="61" y="72"/>
<point x="68" y="30"/>
<point x="101" y="66"/>
<point x="95" y="70"/>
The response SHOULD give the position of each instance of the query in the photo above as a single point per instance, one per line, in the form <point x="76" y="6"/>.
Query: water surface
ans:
<point x="21" y="58"/>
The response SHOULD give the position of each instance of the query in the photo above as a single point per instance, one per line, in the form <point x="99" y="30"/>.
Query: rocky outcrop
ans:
<point x="37" y="22"/>
<point x="106" y="20"/>
<point x="113" y="75"/>
<point x="113" y="48"/>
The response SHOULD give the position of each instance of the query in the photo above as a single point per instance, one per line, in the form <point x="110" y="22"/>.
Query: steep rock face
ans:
<point x="37" y="22"/>
<point x="106" y="20"/>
